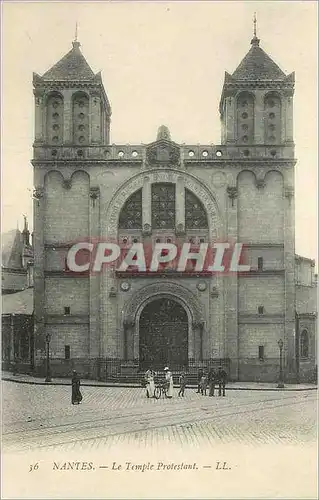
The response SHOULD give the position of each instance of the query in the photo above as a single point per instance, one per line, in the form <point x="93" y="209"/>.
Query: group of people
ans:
<point x="210" y="380"/>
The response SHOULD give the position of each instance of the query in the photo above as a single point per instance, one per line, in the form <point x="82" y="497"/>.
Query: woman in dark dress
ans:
<point x="76" y="393"/>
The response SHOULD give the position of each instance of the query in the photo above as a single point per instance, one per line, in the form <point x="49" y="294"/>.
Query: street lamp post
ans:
<point x="48" y="374"/>
<point x="281" y="384"/>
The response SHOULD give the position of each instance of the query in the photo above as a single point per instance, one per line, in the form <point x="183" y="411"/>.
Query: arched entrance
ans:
<point x="163" y="332"/>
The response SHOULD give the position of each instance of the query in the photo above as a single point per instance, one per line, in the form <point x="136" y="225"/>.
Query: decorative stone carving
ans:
<point x="38" y="193"/>
<point x="163" y="288"/>
<point x="163" y="152"/>
<point x="67" y="183"/>
<point x="214" y="293"/>
<point x="232" y="193"/>
<point x="94" y="194"/>
<point x="180" y="230"/>
<point x="260" y="183"/>
<point x="147" y="230"/>
<point x="201" y="286"/>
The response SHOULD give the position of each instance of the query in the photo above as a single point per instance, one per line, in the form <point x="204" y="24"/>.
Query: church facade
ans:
<point x="116" y="324"/>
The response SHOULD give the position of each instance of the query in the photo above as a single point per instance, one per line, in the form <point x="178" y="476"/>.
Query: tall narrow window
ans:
<point x="67" y="310"/>
<point x="260" y="263"/>
<point x="80" y="119"/>
<point x="260" y="309"/>
<point x="304" y="344"/>
<point x="67" y="352"/>
<point x="131" y="213"/>
<point x="55" y="119"/>
<point x="195" y="213"/>
<point x="163" y="206"/>
<point x="272" y="119"/>
<point x="245" y="118"/>
<point x="261" y="352"/>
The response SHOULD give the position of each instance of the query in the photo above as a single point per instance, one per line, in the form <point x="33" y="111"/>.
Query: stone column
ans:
<point x="68" y="117"/>
<point x="146" y="203"/>
<point x="230" y="118"/>
<point x="180" y="203"/>
<point x="39" y="121"/>
<point x="231" y="290"/>
<point x="39" y="280"/>
<point x="289" y="259"/>
<point x="198" y="328"/>
<point x="94" y="283"/>
<point x="288" y="119"/>
<point x="129" y="340"/>
<point x="259" y="126"/>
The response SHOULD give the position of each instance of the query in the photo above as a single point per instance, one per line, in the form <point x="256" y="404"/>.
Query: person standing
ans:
<point x="169" y="382"/>
<point x="182" y="384"/>
<point x="150" y="385"/>
<point x="76" y="393"/>
<point x="199" y="378"/>
<point x="203" y="384"/>
<point x="211" y="381"/>
<point x="221" y="377"/>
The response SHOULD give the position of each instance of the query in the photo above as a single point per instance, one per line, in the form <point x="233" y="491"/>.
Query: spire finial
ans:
<point x="255" y="41"/>
<point x="76" y="44"/>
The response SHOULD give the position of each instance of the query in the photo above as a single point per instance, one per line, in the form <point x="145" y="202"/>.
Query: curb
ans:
<point x="138" y="386"/>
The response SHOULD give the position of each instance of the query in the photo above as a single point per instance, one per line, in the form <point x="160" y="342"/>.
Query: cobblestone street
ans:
<point x="36" y="417"/>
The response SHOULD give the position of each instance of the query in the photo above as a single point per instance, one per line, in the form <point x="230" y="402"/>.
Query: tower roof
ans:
<point x="72" y="66"/>
<point x="257" y="65"/>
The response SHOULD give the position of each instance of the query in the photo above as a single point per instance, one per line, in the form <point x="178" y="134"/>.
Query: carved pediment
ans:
<point x="163" y="152"/>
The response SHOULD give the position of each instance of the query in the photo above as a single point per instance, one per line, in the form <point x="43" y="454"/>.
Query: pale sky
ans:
<point x="161" y="63"/>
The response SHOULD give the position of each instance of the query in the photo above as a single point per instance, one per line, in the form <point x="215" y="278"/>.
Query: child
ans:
<point x="203" y="384"/>
<point x="182" y="384"/>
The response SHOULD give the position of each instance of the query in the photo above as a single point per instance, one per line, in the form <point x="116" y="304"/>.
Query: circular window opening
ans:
<point x="271" y="116"/>
<point x="55" y="127"/>
<point x="134" y="154"/>
<point x="273" y="152"/>
<point x="121" y="154"/>
<point x="81" y="138"/>
<point x="107" y="152"/>
<point x="135" y="240"/>
<point x="272" y="138"/>
<point x="80" y="152"/>
<point x="244" y="127"/>
<point x="81" y="116"/>
<point x="158" y="240"/>
<point x="271" y="103"/>
<point x="191" y="153"/>
<point x="81" y="127"/>
<point x="56" y="104"/>
<point x="219" y="153"/>
<point x="246" y="152"/>
<point x="55" y="115"/>
<point x="205" y="154"/>
<point x="169" y="240"/>
<point x="244" y="115"/>
<point x="55" y="138"/>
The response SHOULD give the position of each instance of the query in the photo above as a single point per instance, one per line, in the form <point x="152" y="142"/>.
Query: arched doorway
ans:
<point x="163" y="331"/>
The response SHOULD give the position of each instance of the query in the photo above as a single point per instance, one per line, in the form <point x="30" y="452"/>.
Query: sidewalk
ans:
<point x="235" y="386"/>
